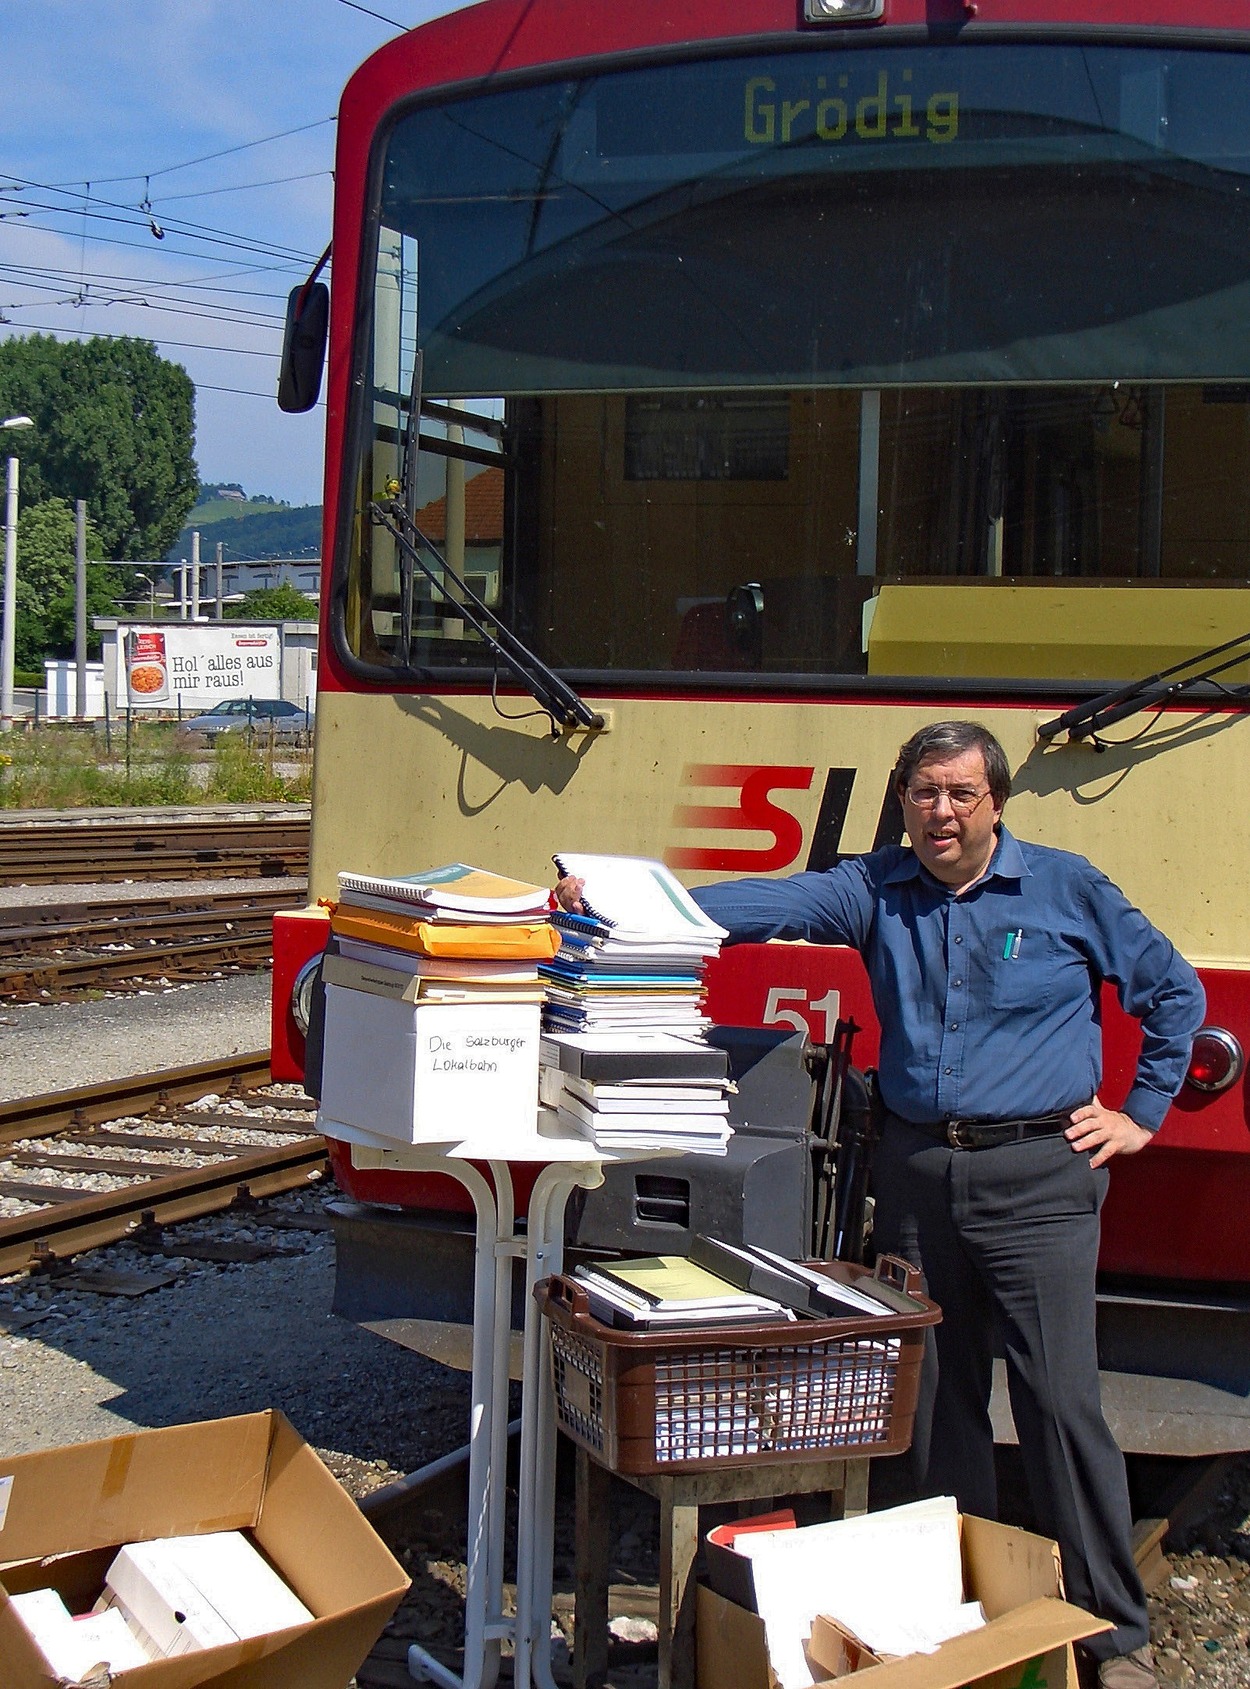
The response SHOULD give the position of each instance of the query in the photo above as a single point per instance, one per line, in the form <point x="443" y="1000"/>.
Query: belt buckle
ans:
<point x="958" y="1134"/>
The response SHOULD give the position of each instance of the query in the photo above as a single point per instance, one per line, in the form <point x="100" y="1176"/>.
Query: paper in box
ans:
<point x="1027" y="1643"/>
<point x="254" y="1474"/>
<point x="429" y="1073"/>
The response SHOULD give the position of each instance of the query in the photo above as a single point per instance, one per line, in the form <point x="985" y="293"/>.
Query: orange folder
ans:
<point x="538" y="940"/>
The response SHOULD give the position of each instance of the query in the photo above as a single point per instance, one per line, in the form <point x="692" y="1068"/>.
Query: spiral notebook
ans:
<point x="455" y="888"/>
<point x="632" y="896"/>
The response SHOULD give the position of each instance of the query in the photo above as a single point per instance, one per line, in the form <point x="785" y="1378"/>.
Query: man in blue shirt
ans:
<point x="986" y="955"/>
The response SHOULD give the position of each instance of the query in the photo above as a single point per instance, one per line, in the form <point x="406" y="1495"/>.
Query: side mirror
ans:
<point x="303" y="346"/>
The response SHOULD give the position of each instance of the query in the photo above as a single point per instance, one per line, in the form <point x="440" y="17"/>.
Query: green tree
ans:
<point x="44" y="625"/>
<point x="285" y="603"/>
<point x="114" y="425"/>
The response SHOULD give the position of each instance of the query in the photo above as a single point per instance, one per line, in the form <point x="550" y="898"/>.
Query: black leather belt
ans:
<point x="989" y="1134"/>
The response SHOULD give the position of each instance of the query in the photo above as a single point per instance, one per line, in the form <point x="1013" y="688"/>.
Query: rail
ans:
<point x="178" y="1163"/>
<point x="82" y="851"/>
<point x="47" y="950"/>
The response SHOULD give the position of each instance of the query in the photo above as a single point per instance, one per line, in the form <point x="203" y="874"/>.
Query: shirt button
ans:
<point x="954" y="1028"/>
<point x="948" y="1070"/>
<point x="958" y="940"/>
<point x="958" y="982"/>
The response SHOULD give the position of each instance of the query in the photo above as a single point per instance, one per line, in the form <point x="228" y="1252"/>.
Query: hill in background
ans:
<point x="248" y="527"/>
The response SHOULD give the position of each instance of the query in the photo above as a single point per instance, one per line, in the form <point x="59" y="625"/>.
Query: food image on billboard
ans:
<point x="199" y="665"/>
<point x="147" y="667"/>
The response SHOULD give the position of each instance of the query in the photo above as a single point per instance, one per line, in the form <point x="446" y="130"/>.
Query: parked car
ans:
<point x="258" y="715"/>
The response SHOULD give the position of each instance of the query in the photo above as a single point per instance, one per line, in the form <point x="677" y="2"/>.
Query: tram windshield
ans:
<point x="713" y="352"/>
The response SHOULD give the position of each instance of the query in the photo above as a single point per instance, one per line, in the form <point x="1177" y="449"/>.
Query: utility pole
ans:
<point x="195" y="574"/>
<point x="80" y="607"/>
<point x="182" y="590"/>
<point x="221" y="603"/>
<point x="7" y="651"/>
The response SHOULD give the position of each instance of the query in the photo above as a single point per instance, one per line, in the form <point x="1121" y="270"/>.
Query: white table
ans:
<point x="568" y="1162"/>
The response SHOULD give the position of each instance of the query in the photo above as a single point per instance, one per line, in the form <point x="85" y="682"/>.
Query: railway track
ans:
<point x="54" y="948"/>
<point x="79" y="851"/>
<point x="166" y="1162"/>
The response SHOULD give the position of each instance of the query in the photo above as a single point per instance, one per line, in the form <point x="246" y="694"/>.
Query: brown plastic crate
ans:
<point x="743" y="1395"/>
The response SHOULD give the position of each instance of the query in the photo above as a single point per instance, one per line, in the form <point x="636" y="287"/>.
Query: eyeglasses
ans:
<point x="963" y="800"/>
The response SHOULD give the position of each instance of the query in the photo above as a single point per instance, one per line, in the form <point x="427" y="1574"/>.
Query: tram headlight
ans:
<point x="301" y="994"/>
<point x="843" y="11"/>
<point x="1217" y="1060"/>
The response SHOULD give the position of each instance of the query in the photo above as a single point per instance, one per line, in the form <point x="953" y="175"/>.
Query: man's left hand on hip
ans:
<point x="1103" y="1132"/>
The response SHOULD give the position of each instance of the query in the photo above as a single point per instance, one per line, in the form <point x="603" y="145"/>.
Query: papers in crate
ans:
<point x="669" y="1290"/>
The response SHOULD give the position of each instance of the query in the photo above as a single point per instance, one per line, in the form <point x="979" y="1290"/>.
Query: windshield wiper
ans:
<point x="549" y="692"/>
<point x="398" y="515"/>
<point x="1086" y="721"/>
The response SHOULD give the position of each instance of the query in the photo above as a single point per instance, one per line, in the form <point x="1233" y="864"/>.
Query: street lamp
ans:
<point x="8" y="640"/>
<point x="150" y="582"/>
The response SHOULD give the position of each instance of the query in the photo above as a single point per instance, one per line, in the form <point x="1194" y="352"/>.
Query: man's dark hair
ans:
<point x="944" y="739"/>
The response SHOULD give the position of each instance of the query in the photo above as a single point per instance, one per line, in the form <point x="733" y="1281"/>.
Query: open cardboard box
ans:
<point x="64" y="1514"/>
<point x="1027" y="1643"/>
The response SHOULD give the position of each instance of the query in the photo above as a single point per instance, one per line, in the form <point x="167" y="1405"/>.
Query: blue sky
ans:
<point x="125" y="95"/>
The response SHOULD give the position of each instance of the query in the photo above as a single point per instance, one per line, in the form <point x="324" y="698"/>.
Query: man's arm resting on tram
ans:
<point x="834" y="906"/>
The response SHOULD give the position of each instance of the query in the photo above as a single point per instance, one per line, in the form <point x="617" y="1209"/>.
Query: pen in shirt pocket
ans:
<point x="1011" y="944"/>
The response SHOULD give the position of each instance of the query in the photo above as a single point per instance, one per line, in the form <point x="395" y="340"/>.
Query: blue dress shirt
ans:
<point x="989" y="1001"/>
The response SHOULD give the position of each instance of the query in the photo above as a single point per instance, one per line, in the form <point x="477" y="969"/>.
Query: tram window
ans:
<point x="739" y="380"/>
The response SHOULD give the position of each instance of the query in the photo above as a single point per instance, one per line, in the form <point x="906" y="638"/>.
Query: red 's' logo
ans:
<point x="753" y="814"/>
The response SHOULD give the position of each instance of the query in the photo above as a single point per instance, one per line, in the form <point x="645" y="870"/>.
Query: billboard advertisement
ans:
<point x="198" y="663"/>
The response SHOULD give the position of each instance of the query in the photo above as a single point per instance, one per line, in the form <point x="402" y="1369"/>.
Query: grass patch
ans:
<point x="247" y="772"/>
<point x="63" y="767"/>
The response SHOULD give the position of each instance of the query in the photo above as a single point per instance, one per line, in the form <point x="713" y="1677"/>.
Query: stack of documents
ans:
<point x="854" y="1570"/>
<point x="636" y="958"/>
<point x="664" y="1291"/>
<point x="638" y="1090"/>
<point x="450" y="935"/>
<point x="806" y="1290"/>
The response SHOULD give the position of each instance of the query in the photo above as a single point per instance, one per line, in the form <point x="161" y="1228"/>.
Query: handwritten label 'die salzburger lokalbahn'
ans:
<point x="475" y="1052"/>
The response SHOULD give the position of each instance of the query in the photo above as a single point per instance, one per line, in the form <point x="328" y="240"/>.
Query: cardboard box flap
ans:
<point x="308" y="1546"/>
<point x="1005" y="1565"/>
<point x="119" y="1490"/>
<point x="1035" y="1628"/>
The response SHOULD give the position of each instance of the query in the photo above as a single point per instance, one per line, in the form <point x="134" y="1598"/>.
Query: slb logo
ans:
<point x="756" y="812"/>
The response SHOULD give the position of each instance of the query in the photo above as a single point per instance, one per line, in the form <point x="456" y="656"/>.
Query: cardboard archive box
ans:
<point x="429" y="1072"/>
<point x="1027" y="1643"/>
<point x="65" y="1513"/>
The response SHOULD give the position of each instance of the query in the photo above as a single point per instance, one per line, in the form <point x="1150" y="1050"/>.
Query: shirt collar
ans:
<point x="1007" y="863"/>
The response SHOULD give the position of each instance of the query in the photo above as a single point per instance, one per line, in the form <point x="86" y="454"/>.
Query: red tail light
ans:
<point x="1217" y="1060"/>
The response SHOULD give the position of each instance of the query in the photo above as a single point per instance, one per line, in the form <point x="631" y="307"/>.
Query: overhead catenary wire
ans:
<point x="208" y="310"/>
<point x="182" y="345"/>
<point x="183" y="230"/>
<point x="355" y="6"/>
<point x="242" y="187"/>
<point x="104" y="277"/>
<point x="208" y="157"/>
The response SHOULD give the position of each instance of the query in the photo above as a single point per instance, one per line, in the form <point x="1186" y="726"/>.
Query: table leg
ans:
<point x="679" y="1543"/>
<point x="590" y="1621"/>
<point x="536" y="1497"/>
<point x="484" y="1554"/>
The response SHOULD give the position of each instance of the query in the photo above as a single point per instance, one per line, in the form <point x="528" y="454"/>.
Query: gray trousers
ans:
<point x="1007" y="1239"/>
